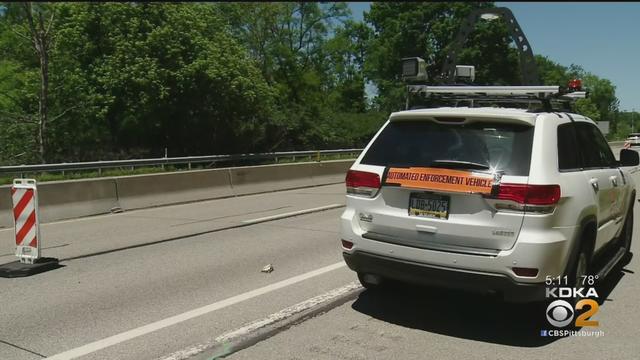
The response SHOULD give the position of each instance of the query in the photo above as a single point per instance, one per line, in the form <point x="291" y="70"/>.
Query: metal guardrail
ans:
<point x="188" y="160"/>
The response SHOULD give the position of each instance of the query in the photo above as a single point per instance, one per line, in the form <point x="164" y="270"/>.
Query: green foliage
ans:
<point x="165" y="76"/>
<point x="133" y="79"/>
<point x="602" y="103"/>
<point x="427" y="30"/>
<point x="626" y="123"/>
<point x="130" y="80"/>
<point x="316" y="76"/>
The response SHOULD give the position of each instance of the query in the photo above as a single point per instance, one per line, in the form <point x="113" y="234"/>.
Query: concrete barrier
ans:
<point x="264" y="178"/>
<point x="6" y="206"/>
<point x="330" y="172"/>
<point x="140" y="191"/>
<point x="61" y="200"/>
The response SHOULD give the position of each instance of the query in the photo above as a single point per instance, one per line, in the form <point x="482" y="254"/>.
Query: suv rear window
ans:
<point x="504" y="147"/>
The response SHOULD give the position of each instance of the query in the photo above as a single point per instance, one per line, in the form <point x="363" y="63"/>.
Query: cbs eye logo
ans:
<point x="560" y="313"/>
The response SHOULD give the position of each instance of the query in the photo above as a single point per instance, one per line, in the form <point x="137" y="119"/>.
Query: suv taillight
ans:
<point x="362" y="183"/>
<point x="530" y="194"/>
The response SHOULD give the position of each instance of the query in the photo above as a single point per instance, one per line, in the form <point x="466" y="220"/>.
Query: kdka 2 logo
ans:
<point x="561" y="313"/>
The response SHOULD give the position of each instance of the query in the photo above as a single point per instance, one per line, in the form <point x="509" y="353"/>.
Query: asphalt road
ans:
<point x="170" y="282"/>
<point x="97" y="295"/>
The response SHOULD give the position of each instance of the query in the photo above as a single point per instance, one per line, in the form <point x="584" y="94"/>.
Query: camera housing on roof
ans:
<point x="414" y="69"/>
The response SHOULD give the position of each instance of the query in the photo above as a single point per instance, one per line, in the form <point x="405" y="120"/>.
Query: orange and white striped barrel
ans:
<point x="24" y="194"/>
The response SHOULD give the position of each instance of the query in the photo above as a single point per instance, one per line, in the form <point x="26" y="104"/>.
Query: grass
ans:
<point x="91" y="174"/>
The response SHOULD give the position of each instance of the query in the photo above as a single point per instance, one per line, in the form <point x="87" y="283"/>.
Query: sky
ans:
<point x="604" y="38"/>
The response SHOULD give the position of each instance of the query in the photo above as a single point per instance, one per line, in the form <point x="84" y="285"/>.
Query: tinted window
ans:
<point x="568" y="153"/>
<point x="603" y="147"/>
<point x="596" y="152"/>
<point x="504" y="147"/>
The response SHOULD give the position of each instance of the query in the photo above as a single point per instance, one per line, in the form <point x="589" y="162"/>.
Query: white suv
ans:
<point x="487" y="199"/>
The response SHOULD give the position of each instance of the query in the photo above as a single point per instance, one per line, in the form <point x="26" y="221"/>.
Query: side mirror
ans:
<point x="629" y="158"/>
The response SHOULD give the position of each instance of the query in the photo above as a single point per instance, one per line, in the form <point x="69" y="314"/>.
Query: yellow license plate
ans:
<point x="429" y="205"/>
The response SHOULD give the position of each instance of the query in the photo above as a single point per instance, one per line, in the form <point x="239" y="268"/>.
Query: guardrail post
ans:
<point x="165" y="156"/>
<point x="318" y="156"/>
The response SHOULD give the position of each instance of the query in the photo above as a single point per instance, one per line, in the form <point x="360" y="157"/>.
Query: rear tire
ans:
<point x="581" y="267"/>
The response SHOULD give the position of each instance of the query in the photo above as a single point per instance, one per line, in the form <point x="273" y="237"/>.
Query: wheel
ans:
<point x="581" y="267"/>
<point x="370" y="281"/>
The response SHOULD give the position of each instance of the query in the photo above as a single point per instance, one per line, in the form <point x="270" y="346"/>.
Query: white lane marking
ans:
<point x="271" y="319"/>
<point x="293" y="213"/>
<point x="146" y="329"/>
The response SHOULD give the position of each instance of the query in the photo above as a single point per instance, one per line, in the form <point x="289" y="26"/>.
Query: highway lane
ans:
<point x="86" y="236"/>
<point x="95" y="297"/>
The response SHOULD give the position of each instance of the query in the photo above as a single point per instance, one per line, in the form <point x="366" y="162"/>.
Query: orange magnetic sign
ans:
<point x="440" y="179"/>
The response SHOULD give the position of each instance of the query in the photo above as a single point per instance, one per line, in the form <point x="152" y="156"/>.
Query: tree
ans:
<point x="178" y="81"/>
<point x="288" y="40"/>
<point x="602" y="103"/>
<point x="627" y="122"/>
<point x="38" y="31"/>
<point x="122" y="80"/>
<point x="427" y="30"/>
<point x="346" y="53"/>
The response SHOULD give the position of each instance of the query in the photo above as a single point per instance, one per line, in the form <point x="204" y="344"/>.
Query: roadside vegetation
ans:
<point x="106" y="81"/>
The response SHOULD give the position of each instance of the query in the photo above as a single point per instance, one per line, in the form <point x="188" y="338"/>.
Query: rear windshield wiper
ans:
<point x="456" y="164"/>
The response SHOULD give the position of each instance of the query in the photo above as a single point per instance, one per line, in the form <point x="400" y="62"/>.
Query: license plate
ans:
<point x="429" y="205"/>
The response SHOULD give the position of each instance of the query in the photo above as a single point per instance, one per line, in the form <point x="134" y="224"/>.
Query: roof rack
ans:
<point x="545" y="95"/>
<point x="531" y="92"/>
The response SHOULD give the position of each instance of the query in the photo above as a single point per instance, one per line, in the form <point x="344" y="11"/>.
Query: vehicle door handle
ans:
<point x="594" y="184"/>
<point x="614" y="180"/>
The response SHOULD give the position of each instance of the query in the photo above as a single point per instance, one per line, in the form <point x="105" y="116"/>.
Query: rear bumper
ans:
<point x="423" y="274"/>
